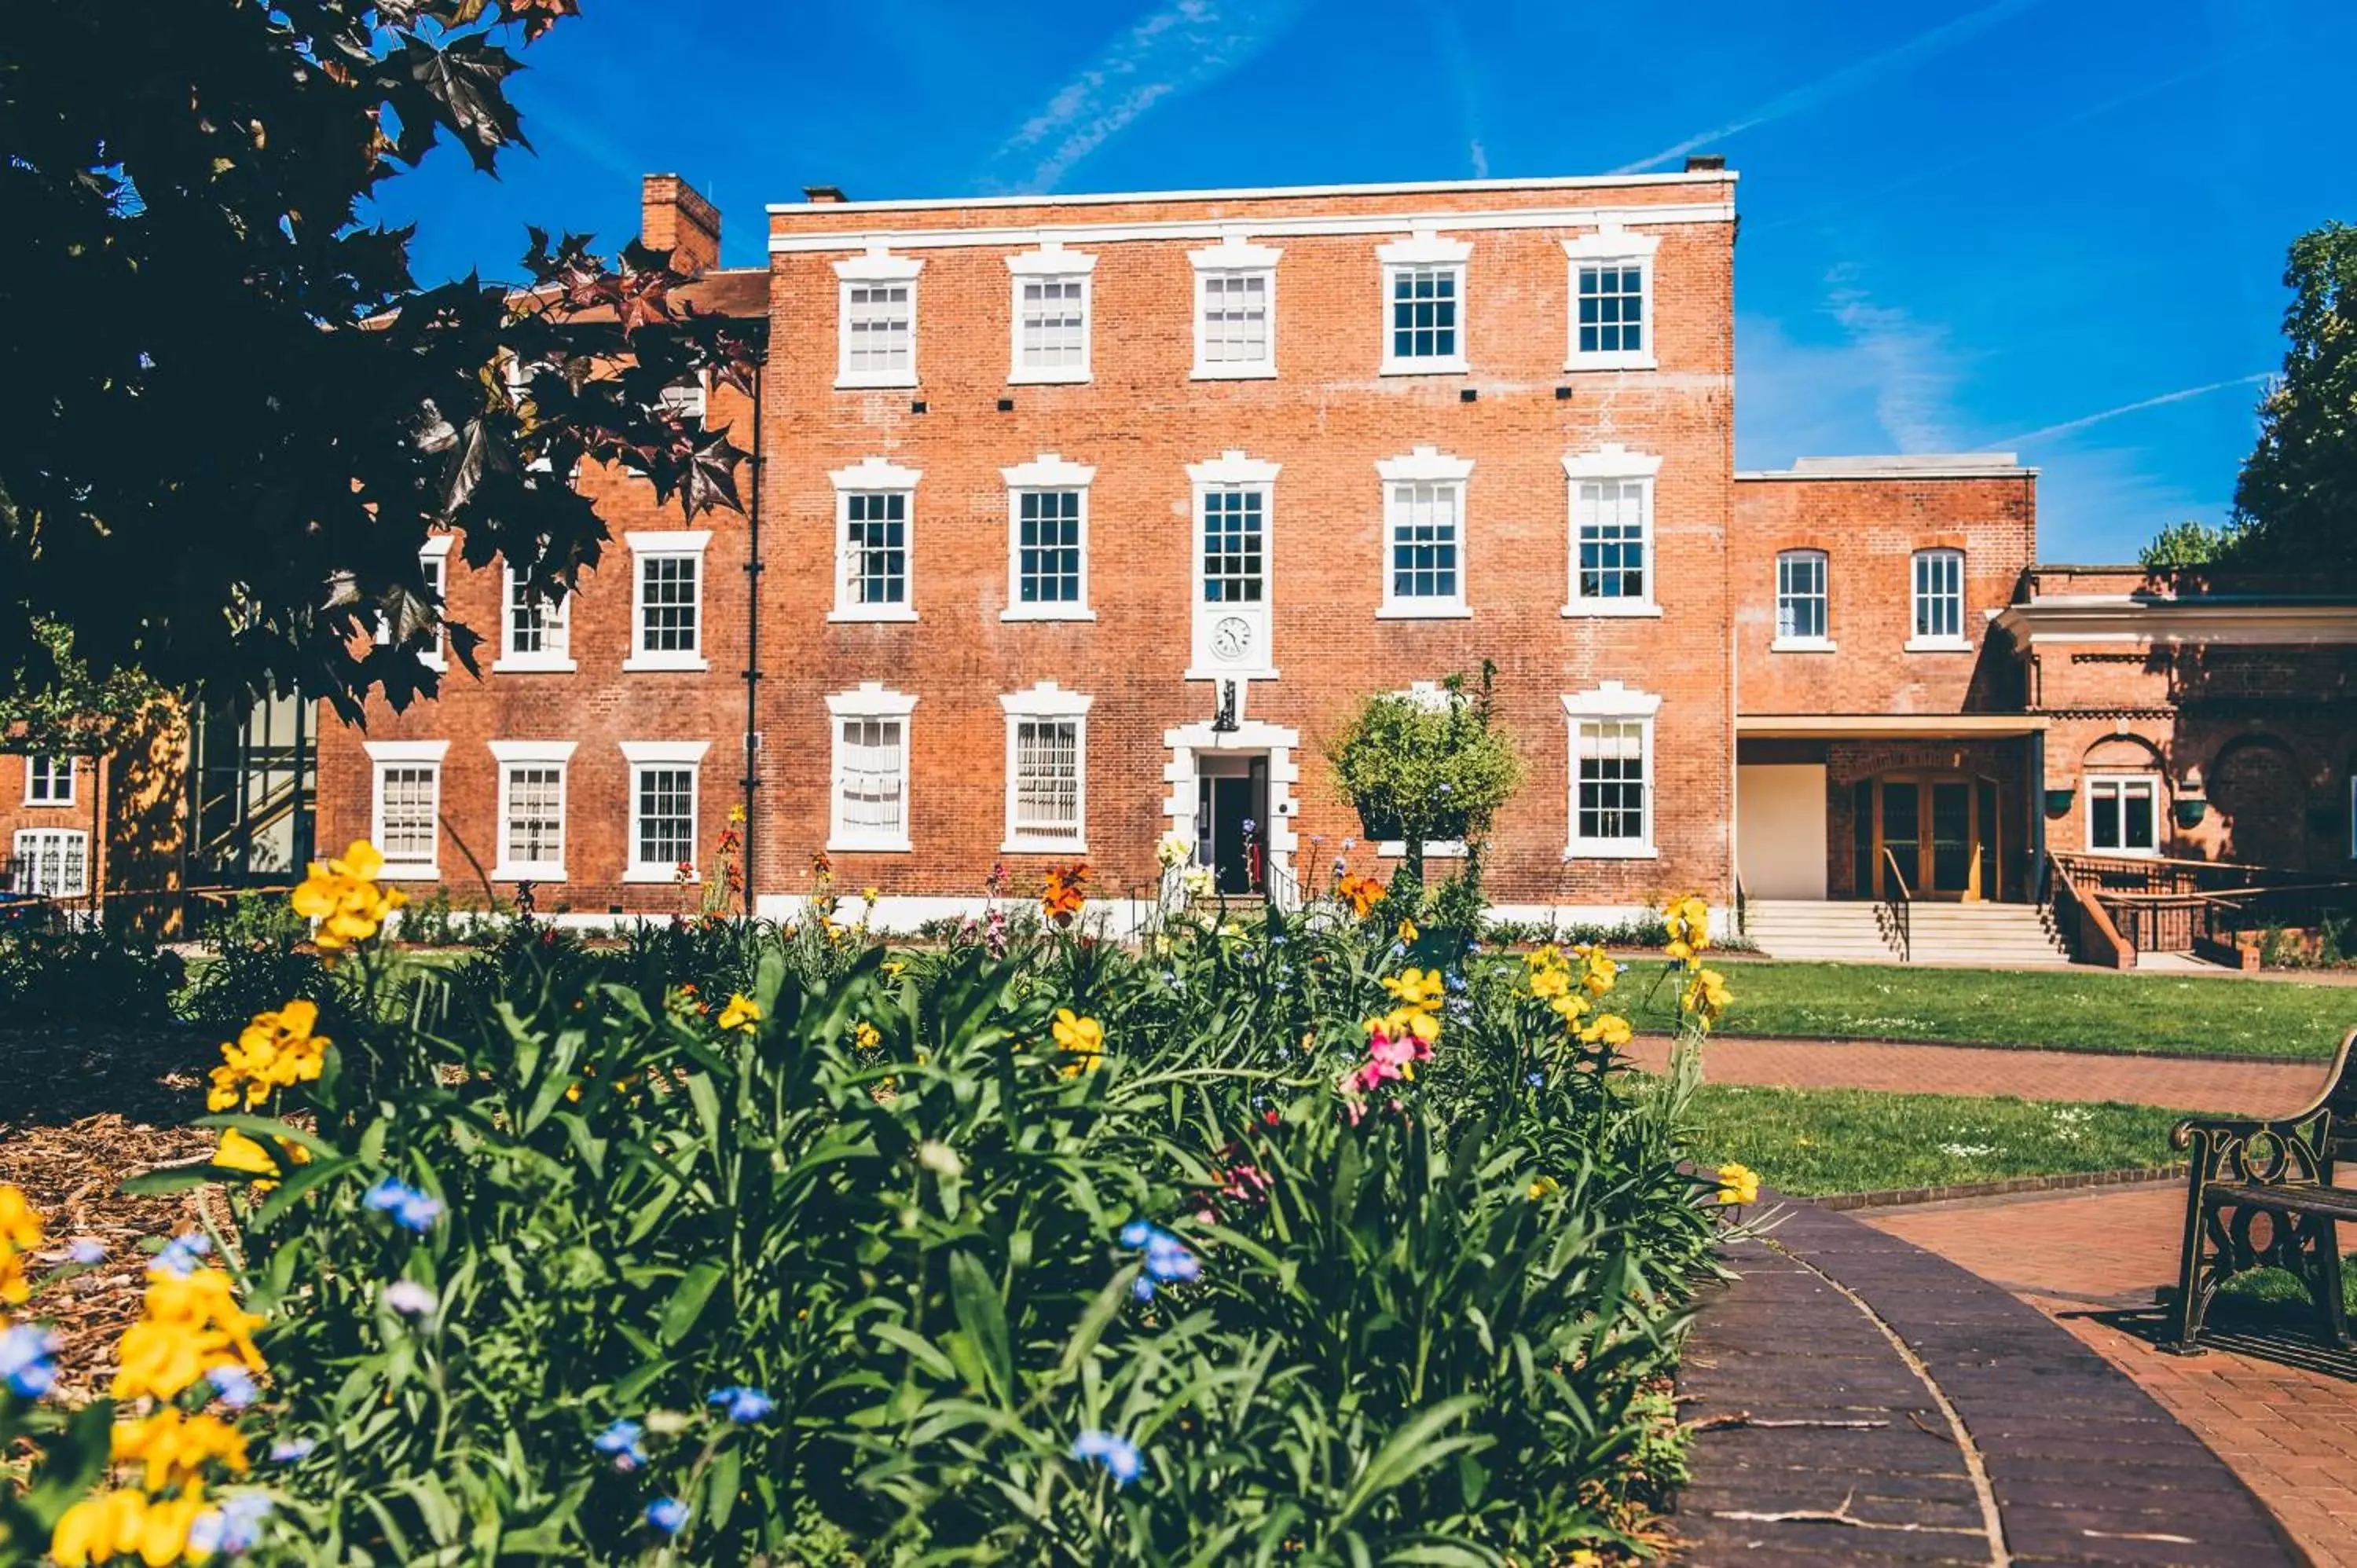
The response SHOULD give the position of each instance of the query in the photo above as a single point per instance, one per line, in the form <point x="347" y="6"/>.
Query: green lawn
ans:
<point x="1813" y="1142"/>
<point x="2088" y="1010"/>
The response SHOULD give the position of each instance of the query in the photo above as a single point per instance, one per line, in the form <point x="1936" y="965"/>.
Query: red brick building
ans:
<point x="1082" y="520"/>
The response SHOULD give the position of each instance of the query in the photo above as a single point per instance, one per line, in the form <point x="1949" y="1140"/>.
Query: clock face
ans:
<point x="1231" y="636"/>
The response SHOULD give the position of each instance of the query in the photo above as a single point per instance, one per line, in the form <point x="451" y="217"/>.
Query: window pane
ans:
<point x="1611" y="780"/>
<point x="667" y="603"/>
<point x="1047" y="779"/>
<point x="1940" y="594"/>
<point x="1424" y="540"/>
<point x="1424" y="313"/>
<point x="1047" y="547"/>
<point x="1611" y="309"/>
<point x="1800" y="594"/>
<point x="405" y="797"/>
<point x="1235" y="319"/>
<point x="876" y="546"/>
<point x="1611" y="539"/>
<point x="50" y="862"/>
<point x="2104" y="814"/>
<point x="666" y="810"/>
<point x="1054" y="324"/>
<point x="535" y="825"/>
<point x="879" y="330"/>
<point x="873" y="779"/>
<point x="1231" y="541"/>
<point x="2137" y="826"/>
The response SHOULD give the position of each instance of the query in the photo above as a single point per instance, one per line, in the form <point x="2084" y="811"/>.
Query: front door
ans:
<point x="1938" y="830"/>
<point x="1229" y="829"/>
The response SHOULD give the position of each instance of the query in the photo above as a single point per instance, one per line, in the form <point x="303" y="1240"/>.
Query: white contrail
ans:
<point x="2068" y="426"/>
<point x="1847" y="79"/>
<point x="1180" y="46"/>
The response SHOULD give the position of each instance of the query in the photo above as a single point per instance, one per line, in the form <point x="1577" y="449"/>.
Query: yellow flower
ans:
<point x="1609" y="1029"/>
<point x="239" y="1153"/>
<point x="192" y="1323"/>
<point x="342" y="897"/>
<point x="125" y="1523"/>
<point x="1687" y="921"/>
<point x="741" y="1015"/>
<point x="1407" y="932"/>
<point x="1598" y="970"/>
<point x="866" y="1037"/>
<point x="173" y="1445"/>
<point x="274" y="1051"/>
<point x="1544" y="1187"/>
<point x="1401" y="1022"/>
<point x="1737" y="1183"/>
<point x="1706" y="996"/>
<point x="895" y="968"/>
<point x="20" y="1232"/>
<point x="1415" y="987"/>
<point x="1083" y="1038"/>
<point x="868" y="895"/>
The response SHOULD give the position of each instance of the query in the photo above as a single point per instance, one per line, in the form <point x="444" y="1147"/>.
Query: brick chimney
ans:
<point x="675" y="217"/>
<point x="1706" y="162"/>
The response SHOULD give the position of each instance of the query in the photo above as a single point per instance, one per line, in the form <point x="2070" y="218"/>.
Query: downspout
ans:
<point x="749" y="783"/>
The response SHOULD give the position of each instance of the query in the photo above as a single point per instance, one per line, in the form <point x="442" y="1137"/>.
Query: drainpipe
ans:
<point x="2037" y="879"/>
<point x="749" y="783"/>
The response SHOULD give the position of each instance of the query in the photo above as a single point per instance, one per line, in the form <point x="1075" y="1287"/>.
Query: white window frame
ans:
<point x="1961" y="642"/>
<point x="870" y="701"/>
<point x="1611" y="702"/>
<point x="513" y="754"/>
<point x="877" y="265"/>
<point x="43" y="765"/>
<point x="648" y="545"/>
<point x="1423" y="250"/>
<point x="689" y="397"/>
<point x="1611" y="245"/>
<point x="1047" y="703"/>
<point x="434" y="566"/>
<point x="2118" y="784"/>
<point x="1612" y="464"/>
<point x="71" y="846"/>
<point x="1782" y="643"/>
<point x="1048" y="471"/>
<point x="672" y="757"/>
<point x="1232" y="258"/>
<point x="556" y="632"/>
<point x="1422" y="466"/>
<point x="383" y="756"/>
<point x="1050" y="261"/>
<point x="872" y="476"/>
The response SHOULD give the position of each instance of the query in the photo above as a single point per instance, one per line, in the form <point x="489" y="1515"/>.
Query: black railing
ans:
<point x="1898" y="904"/>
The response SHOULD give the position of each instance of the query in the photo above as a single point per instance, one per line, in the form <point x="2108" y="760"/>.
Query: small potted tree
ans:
<point x="1428" y="766"/>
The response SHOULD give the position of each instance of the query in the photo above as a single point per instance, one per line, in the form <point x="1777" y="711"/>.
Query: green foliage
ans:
<point x="2191" y="543"/>
<point x="2298" y="487"/>
<point x="259" y="960"/>
<point x="233" y="391"/>
<point x="1423" y="770"/>
<point x="1432" y="1328"/>
<point x="71" y="973"/>
<point x="52" y="704"/>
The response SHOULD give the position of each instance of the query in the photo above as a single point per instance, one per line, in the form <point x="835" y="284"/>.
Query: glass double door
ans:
<point x="1940" y="831"/>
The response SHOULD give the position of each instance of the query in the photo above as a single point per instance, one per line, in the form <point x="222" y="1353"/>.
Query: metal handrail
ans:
<point x="1899" y="907"/>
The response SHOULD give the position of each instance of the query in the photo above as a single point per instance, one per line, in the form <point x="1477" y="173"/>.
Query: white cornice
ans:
<point x="879" y="265"/>
<point x="875" y="474"/>
<point x="1048" y="471"/>
<point x="1611" y="461"/>
<point x="1613" y="242"/>
<point x="2091" y="618"/>
<point x="1050" y="259"/>
<point x="1425" y="463"/>
<point x="1262" y="193"/>
<point x="841" y="241"/>
<point x="1232" y="467"/>
<point x="1424" y="247"/>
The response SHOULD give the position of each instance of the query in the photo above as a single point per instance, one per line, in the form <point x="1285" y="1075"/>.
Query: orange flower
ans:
<point x="1361" y="894"/>
<point x="1064" y="893"/>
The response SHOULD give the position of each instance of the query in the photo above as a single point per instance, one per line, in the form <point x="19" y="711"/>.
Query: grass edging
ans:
<point x="1897" y="1197"/>
<point x="1727" y="1031"/>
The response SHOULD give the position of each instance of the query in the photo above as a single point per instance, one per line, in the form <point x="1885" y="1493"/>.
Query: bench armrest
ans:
<point x="2263" y="1151"/>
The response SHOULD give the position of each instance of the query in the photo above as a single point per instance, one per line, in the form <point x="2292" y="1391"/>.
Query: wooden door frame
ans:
<point x="1979" y="836"/>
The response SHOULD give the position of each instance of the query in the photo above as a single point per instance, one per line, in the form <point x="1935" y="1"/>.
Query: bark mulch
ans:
<point x="82" y="1109"/>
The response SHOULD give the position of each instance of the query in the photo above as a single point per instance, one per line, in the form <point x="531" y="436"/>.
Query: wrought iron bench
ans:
<point x="2261" y="1192"/>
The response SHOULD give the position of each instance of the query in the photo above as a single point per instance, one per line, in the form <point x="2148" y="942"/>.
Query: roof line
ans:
<point x="1260" y="193"/>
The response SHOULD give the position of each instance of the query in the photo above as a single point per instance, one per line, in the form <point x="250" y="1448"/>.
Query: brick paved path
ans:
<point x="1993" y="1438"/>
<point x="2090" y="1260"/>
<point x="2190" y="1083"/>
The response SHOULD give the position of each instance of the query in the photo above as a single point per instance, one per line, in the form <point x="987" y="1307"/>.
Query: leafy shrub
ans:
<point x="1417" y="771"/>
<point x="1061" y="1252"/>
<point x="259" y="960"/>
<point x="77" y="974"/>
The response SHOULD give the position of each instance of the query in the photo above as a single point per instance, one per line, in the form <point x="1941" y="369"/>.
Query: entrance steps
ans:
<point x="1989" y="936"/>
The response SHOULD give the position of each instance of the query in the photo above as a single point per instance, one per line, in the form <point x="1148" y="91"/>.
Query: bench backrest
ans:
<point x="2340" y="1099"/>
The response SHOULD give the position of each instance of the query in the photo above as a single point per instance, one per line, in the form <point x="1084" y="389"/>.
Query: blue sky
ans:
<point x="2052" y="226"/>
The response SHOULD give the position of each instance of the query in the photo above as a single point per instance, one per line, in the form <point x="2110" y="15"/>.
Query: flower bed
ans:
<point x="1317" y="1241"/>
